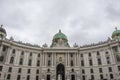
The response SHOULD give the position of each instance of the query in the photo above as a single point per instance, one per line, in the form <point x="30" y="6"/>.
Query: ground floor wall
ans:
<point x="11" y="72"/>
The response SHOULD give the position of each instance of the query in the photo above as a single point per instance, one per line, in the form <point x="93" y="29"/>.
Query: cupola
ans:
<point x="60" y="39"/>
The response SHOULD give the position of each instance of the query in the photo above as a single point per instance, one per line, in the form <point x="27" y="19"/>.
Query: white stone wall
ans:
<point x="55" y="55"/>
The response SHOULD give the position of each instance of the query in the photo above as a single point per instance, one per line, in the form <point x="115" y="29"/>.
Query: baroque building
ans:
<point x="60" y="61"/>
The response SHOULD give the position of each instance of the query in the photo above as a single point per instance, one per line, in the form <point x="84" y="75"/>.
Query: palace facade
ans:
<point x="60" y="61"/>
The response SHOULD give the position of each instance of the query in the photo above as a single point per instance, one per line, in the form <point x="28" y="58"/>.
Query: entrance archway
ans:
<point x="60" y="72"/>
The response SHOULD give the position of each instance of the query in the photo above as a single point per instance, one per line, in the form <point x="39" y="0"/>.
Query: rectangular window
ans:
<point x="48" y="77"/>
<point x="89" y="54"/>
<point x="30" y="62"/>
<point x="110" y="69"/>
<point x="13" y="51"/>
<point x="8" y="76"/>
<point x="29" y="70"/>
<point x="37" y="71"/>
<point x="81" y="55"/>
<point x="98" y="53"/>
<point x="19" y="70"/>
<point x="28" y="77"/>
<point x="30" y="53"/>
<point x="38" y="55"/>
<point x="22" y="53"/>
<point x="10" y="69"/>
<point x="92" y="77"/>
<point x="21" y="61"/>
<point x="111" y="76"/>
<point x="1" y="67"/>
<point x="38" y="63"/>
<point x="71" y="63"/>
<point x="11" y="60"/>
<point x="83" y="77"/>
<point x="99" y="61"/>
<point x="101" y="76"/>
<point x="82" y="63"/>
<point x="108" y="61"/>
<point x="1" y="58"/>
<point x="37" y="77"/>
<point x="91" y="70"/>
<point x="90" y="62"/>
<point x="83" y="71"/>
<point x="18" y="77"/>
<point x="49" y="62"/>
<point x="100" y="70"/>
<point x="4" y="48"/>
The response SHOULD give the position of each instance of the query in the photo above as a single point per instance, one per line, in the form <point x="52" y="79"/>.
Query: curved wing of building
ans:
<point x="23" y="61"/>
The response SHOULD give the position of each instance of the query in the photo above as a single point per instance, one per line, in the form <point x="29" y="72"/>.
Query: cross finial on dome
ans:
<point x="116" y="28"/>
<point x="59" y="30"/>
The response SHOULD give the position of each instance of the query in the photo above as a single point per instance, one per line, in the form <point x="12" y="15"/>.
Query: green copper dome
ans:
<point x="59" y="35"/>
<point x="116" y="33"/>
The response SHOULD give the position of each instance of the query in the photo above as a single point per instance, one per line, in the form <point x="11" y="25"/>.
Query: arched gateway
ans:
<point x="60" y="72"/>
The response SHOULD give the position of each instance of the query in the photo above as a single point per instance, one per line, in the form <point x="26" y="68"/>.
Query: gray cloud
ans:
<point x="83" y="21"/>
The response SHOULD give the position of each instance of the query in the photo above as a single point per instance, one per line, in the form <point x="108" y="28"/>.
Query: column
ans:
<point x="7" y="56"/>
<point x="16" y="57"/>
<point x="41" y="59"/>
<point x="66" y="58"/>
<point x="78" y="59"/>
<point x="45" y="59"/>
<point x="52" y="60"/>
<point x="75" y="58"/>
<point x="1" y="50"/>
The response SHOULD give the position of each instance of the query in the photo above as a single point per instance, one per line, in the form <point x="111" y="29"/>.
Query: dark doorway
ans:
<point x="48" y="77"/>
<point x="72" y="77"/>
<point x="60" y="71"/>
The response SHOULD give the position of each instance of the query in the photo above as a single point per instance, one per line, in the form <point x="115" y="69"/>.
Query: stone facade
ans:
<point x="20" y="61"/>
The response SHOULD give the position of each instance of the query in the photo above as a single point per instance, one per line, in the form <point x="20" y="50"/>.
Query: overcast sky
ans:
<point x="37" y="21"/>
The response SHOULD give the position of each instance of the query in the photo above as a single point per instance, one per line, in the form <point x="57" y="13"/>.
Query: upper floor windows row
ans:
<point x="97" y="53"/>
<point x="22" y="53"/>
